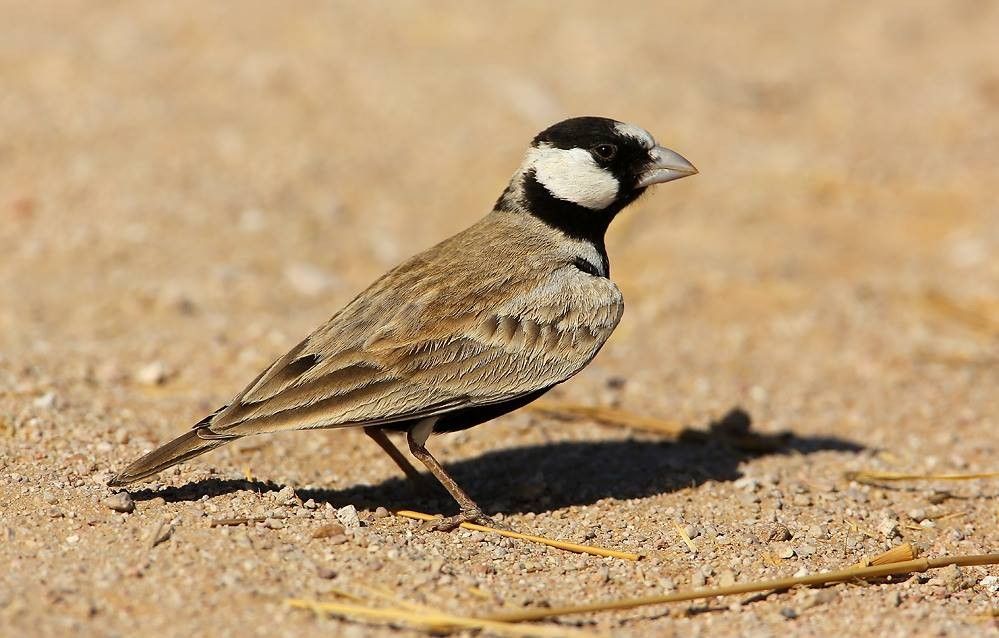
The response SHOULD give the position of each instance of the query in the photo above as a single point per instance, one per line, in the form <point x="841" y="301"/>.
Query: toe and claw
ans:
<point x="417" y="437"/>
<point x="471" y="515"/>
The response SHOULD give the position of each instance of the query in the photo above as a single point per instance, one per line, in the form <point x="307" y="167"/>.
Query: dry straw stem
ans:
<point x="686" y="539"/>
<point x="823" y="578"/>
<point x="989" y="614"/>
<point x="571" y="547"/>
<point x="870" y="476"/>
<point x="434" y="621"/>
<point x="607" y="415"/>
<point x="979" y="314"/>
<point x="899" y="554"/>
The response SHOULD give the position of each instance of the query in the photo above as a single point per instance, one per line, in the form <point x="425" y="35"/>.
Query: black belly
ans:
<point x="470" y="417"/>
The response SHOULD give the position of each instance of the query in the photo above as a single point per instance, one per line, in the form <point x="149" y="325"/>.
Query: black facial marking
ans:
<point x="569" y="133"/>
<point x="574" y="220"/>
<point x="629" y="155"/>
<point x="622" y="155"/>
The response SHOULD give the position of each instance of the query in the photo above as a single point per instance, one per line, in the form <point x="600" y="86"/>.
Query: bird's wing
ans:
<point x="415" y="346"/>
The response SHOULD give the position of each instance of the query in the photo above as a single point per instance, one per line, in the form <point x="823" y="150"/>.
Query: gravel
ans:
<point x="177" y="210"/>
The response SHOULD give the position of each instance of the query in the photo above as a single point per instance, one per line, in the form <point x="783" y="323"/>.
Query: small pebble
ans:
<point x="347" y="515"/>
<point x="778" y="532"/>
<point x="120" y="502"/>
<point x="824" y="596"/>
<point x="939" y="497"/>
<point x="789" y="613"/>
<point x="162" y="534"/>
<point x="857" y="495"/>
<point x="46" y="401"/>
<point x="749" y="498"/>
<point x="818" y="531"/>
<point x="697" y="579"/>
<point x="888" y="528"/>
<point x="154" y="373"/>
<point x="326" y="573"/>
<point x="328" y="531"/>
<point x="380" y="512"/>
<point x="954" y="578"/>
<point x="747" y="484"/>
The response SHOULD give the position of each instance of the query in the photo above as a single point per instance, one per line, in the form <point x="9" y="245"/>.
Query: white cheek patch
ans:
<point x="572" y="175"/>
<point x="636" y="132"/>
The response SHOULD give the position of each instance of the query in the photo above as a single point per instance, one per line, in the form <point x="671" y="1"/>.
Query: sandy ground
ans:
<point x="188" y="188"/>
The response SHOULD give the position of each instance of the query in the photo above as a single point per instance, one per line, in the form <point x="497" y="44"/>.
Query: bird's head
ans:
<point x="586" y="169"/>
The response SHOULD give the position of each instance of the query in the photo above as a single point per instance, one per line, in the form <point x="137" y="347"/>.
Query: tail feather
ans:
<point x="185" y="446"/>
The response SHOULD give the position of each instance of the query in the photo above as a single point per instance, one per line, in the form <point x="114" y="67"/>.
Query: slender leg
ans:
<point x="418" y="481"/>
<point x="470" y="511"/>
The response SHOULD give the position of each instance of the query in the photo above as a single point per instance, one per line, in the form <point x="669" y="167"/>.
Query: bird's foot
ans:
<point x="470" y="515"/>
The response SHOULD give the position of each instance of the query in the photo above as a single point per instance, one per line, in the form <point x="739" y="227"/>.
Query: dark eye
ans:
<point x="604" y="151"/>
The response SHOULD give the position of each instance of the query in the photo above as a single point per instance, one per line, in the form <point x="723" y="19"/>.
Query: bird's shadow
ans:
<point x="537" y="478"/>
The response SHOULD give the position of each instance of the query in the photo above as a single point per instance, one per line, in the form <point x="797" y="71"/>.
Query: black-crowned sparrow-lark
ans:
<point x="479" y="325"/>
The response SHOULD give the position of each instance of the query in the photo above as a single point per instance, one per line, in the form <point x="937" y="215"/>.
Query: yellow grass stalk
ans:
<point x="980" y="314"/>
<point x="899" y="554"/>
<point x="989" y="614"/>
<point x="686" y="539"/>
<point x="571" y="547"/>
<point x="432" y="621"/>
<point x="870" y="476"/>
<point x="822" y="578"/>
<point x="608" y="416"/>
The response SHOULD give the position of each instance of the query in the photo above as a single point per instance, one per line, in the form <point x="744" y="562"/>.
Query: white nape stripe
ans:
<point x="572" y="175"/>
<point x="636" y="132"/>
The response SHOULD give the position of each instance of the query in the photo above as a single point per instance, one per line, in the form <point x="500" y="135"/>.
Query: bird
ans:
<point x="477" y="326"/>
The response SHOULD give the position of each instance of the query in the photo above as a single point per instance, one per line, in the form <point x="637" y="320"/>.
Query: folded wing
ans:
<point x="415" y="348"/>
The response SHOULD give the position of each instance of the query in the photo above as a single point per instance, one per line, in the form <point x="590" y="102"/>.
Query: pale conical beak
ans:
<point x="666" y="166"/>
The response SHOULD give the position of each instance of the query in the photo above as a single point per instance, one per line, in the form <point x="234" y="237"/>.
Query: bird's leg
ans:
<point x="470" y="511"/>
<point x="417" y="480"/>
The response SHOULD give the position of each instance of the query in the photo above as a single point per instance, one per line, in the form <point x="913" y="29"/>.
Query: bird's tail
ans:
<point x="185" y="446"/>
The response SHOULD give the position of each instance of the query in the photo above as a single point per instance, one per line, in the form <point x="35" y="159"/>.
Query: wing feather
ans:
<point x="425" y="340"/>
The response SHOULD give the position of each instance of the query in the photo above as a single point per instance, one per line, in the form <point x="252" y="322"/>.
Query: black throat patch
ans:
<point x="572" y="219"/>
